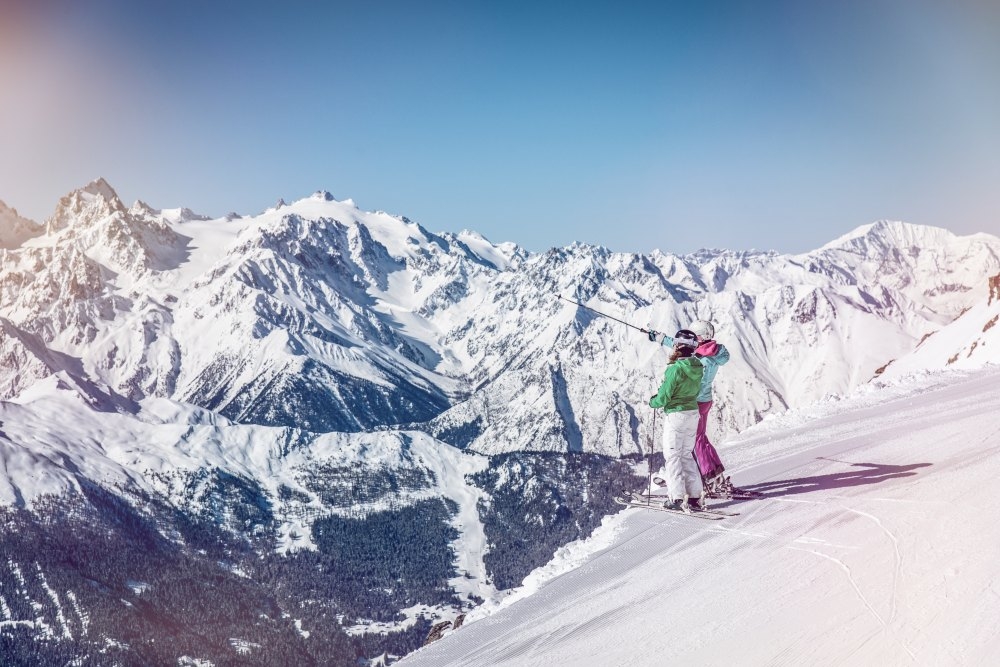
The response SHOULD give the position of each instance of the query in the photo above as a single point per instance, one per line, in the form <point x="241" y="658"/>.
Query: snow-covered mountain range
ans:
<point x="320" y="316"/>
<point x="246" y="387"/>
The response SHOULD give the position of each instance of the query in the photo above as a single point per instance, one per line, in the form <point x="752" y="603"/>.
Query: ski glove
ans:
<point x="652" y="335"/>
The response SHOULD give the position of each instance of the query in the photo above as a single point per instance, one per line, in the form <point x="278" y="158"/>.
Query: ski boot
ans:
<point x="678" y="505"/>
<point x="719" y="487"/>
<point x="625" y="497"/>
<point x="698" y="503"/>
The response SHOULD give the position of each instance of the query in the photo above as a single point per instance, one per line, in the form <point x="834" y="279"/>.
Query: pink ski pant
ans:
<point x="709" y="463"/>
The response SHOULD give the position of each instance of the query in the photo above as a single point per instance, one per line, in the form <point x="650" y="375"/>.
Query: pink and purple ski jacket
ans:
<point x="712" y="355"/>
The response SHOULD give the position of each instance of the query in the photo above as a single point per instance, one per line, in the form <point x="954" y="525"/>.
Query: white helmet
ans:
<point x="702" y="329"/>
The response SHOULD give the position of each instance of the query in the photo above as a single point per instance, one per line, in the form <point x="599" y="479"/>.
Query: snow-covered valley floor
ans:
<point x="878" y="544"/>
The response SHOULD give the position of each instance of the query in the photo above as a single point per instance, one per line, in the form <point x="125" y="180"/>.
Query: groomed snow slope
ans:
<point x="877" y="545"/>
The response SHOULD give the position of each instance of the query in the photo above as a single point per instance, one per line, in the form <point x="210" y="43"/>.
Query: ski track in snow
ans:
<point x="898" y="559"/>
<point x="897" y="570"/>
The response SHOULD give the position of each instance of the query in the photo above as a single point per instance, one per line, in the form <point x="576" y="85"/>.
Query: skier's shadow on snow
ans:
<point x="866" y="473"/>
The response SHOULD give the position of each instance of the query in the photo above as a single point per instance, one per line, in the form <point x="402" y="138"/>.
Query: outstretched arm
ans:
<point x="722" y="356"/>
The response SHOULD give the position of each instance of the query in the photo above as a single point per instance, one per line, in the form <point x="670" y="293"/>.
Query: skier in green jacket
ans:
<point x="678" y="398"/>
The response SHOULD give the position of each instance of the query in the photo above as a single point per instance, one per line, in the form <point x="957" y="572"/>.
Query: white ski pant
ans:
<point x="680" y="470"/>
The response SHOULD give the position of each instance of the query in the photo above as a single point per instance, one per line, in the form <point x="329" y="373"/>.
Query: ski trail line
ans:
<point x="897" y="571"/>
<point x="861" y="596"/>
<point x="850" y="578"/>
<point x="897" y="566"/>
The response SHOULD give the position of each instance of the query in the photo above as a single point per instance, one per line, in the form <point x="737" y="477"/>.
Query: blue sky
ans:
<point x="670" y="125"/>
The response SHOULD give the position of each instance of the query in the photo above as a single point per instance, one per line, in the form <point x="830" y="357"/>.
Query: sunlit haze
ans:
<point x="670" y="125"/>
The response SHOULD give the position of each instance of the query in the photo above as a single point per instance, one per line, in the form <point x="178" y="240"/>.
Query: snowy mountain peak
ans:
<point x="95" y="201"/>
<point x="182" y="214"/>
<point x="15" y="230"/>
<point x="174" y="215"/>
<point x="317" y="199"/>
<point x="885" y="233"/>
<point x="141" y="208"/>
<point x="91" y="222"/>
<point x="100" y="188"/>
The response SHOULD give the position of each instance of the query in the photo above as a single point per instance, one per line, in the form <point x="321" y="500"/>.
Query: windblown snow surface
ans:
<point x="877" y="544"/>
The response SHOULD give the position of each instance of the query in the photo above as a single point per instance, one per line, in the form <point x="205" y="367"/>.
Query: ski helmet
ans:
<point x="703" y="329"/>
<point x="685" y="338"/>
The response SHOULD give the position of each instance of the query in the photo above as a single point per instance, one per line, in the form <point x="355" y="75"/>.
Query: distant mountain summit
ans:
<point x="15" y="230"/>
<point x="928" y="264"/>
<point x="95" y="201"/>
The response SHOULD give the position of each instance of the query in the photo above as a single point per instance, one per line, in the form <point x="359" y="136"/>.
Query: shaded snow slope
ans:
<point x="875" y="545"/>
<point x="971" y="341"/>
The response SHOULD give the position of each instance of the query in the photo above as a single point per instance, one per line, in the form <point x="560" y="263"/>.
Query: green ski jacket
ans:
<point x="681" y="384"/>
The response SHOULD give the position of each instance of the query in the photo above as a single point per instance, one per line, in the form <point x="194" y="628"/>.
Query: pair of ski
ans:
<point x="726" y="491"/>
<point x="658" y="503"/>
<point x="736" y="494"/>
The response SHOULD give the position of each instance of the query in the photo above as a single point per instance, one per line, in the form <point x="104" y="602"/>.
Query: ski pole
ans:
<point x="645" y="331"/>
<point x="651" y="439"/>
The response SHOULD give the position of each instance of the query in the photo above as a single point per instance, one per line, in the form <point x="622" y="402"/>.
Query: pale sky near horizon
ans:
<point x="670" y="125"/>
